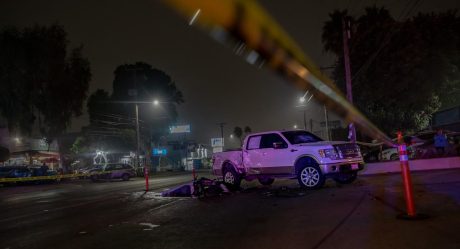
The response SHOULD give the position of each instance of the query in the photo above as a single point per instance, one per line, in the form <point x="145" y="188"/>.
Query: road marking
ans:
<point x="92" y="201"/>
<point x="164" y="205"/>
<point x="149" y="225"/>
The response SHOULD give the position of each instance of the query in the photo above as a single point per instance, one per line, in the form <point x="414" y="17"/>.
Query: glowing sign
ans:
<point x="159" y="152"/>
<point x="179" y="129"/>
<point x="217" y="142"/>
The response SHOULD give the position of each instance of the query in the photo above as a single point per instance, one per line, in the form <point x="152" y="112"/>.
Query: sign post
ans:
<point x="217" y="144"/>
<point x="146" y="174"/>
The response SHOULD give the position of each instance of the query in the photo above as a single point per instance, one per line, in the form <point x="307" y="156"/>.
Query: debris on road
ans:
<point x="202" y="187"/>
<point x="285" y="192"/>
<point x="149" y="225"/>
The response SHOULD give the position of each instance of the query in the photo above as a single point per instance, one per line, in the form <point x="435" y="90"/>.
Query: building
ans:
<point x="448" y="119"/>
<point x="33" y="151"/>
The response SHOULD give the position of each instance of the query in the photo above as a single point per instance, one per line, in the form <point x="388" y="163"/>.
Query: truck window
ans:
<point x="268" y="140"/>
<point x="254" y="142"/>
<point x="300" y="137"/>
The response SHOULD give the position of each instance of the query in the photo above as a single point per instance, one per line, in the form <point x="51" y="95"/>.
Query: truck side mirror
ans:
<point x="278" y="145"/>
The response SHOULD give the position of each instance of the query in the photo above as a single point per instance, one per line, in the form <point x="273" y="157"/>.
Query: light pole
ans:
<point x="303" y="101"/>
<point x="138" y="140"/>
<point x="137" y="137"/>
<point x="221" y="125"/>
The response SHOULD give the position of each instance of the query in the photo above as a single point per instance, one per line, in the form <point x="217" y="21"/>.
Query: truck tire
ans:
<point x="231" y="179"/>
<point x="310" y="177"/>
<point x="266" y="181"/>
<point x="346" y="178"/>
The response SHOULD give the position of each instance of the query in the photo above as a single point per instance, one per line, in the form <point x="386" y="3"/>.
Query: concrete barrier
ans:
<point x="415" y="165"/>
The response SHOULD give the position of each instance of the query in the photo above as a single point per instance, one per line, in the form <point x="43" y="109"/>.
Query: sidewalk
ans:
<point x="415" y="165"/>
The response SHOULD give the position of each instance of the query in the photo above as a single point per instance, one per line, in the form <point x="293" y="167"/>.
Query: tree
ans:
<point x="98" y="105"/>
<point x="403" y="71"/>
<point x="140" y="82"/>
<point x="247" y="130"/>
<point x="40" y="81"/>
<point x="238" y="132"/>
<point x="112" y="117"/>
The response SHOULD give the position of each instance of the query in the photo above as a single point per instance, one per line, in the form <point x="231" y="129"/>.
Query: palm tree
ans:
<point x="238" y="132"/>
<point x="247" y="130"/>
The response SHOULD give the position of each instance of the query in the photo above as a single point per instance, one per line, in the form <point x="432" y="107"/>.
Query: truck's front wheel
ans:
<point x="231" y="178"/>
<point x="310" y="177"/>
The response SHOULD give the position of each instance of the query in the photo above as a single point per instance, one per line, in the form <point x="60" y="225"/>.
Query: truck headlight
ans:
<point x="329" y="153"/>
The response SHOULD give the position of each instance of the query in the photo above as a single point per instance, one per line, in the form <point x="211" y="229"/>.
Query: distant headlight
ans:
<point x="329" y="153"/>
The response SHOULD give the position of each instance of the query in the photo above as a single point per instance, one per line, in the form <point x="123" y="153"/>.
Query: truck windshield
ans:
<point x="300" y="137"/>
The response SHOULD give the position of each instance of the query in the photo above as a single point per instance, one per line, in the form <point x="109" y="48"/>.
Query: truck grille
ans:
<point x="347" y="150"/>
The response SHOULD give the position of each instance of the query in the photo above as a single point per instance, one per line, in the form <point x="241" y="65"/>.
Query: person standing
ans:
<point x="440" y="142"/>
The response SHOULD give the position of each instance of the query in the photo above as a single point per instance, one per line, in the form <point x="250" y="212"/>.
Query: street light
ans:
<point x="295" y="126"/>
<point x="231" y="135"/>
<point x="155" y="103"/>
<point x="304" y="103"/>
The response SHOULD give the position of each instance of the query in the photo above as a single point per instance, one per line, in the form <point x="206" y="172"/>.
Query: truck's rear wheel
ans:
<point x="231" y="178"/>
<point x="346" y="178"/>
<point x="310" y="177"/>
<point x="266" y="181"/>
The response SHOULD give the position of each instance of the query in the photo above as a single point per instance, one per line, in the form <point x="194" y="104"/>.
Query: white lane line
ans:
<point x="163" y="206"/>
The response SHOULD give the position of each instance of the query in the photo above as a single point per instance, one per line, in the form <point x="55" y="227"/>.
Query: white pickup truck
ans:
<point x="289" y="154"/>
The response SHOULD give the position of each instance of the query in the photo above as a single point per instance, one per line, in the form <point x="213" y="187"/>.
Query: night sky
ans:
<point x="218" y="86"/>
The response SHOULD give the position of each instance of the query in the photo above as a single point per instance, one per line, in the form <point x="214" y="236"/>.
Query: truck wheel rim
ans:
<point x="229" y="178"/>
<point x="309" y="176"/>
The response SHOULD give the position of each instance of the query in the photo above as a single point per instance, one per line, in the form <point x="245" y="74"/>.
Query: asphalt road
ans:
<point x="120" y="215"/>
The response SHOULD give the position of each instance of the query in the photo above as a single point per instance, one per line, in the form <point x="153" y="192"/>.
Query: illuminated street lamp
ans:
<point x="155" y="103"/>
<point x="295" y="126"/>
<point x="303" y="102"/>
<point x="231" y="135"/>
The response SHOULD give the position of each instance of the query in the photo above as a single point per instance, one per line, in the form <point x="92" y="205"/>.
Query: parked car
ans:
<point x="86" y="170"/>
<point x="14" y="172"/>
<point x="421" y="146"/>
<point x="112" y="171"/>
<point x="392" y="154"/>
<point x="371" y="151"/>
<point x="289" y="154"/>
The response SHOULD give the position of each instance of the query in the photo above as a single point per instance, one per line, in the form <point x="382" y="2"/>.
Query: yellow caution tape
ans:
<point x="246" y="21"/>
<point x="52" y="177"/>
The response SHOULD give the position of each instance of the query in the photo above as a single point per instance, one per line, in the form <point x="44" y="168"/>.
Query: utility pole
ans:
<point x="304" y="120"/>
<point x="346" y="57"/>
<point x="327" y="123"/>
<point x="137" y="138"/>
<point x="134" y="93"/>
<point x="221" y="125"/>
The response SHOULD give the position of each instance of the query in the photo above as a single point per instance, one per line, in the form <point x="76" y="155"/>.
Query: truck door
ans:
<point x="261" y="156"/>
<point x="275" y="155"/>
<point x="252" y="156"/>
